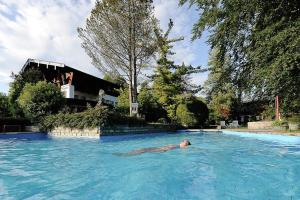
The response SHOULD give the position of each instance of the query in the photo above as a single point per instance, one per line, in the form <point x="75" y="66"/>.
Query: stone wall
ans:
<point x="110" y="131"/>
<point x="73" y="132"/>
<point x="261" y="125"/>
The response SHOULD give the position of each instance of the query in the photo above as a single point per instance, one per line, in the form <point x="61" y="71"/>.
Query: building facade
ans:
<point x="78" y="88"/>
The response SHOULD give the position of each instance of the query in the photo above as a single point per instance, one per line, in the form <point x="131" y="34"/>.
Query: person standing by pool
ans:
<point x="183" y="144"/>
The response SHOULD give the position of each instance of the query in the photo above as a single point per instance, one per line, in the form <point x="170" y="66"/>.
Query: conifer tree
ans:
<point x="171" y="82"/>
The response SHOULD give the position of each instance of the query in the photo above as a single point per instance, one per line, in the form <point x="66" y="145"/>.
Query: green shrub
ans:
<point x="162" y="121"/>
<point x="115" y="118"/>
<point x="148" y="104"/>
<point x="294" y="119"/>
<point x="16" y="87"/>
<point x="279" y="123"/>
<point x="123" y="101"/>
<point x="185" y="117"/>
<point x="4" y="105"/>
<point x="199" y="109"/>
<point x="90" y="118"/>
<point x="39" y="100"/>
<point x="192" y="112"/>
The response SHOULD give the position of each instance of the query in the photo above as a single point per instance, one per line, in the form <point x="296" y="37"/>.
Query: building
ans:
<point x="79" y="88"/>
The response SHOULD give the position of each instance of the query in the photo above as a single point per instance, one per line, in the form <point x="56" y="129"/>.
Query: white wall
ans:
<point x="68" y="91"/>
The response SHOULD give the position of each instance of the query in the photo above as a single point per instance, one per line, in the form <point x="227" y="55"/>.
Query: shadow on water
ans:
<point x="24" y="136"/>
<point x="118" y="138"/>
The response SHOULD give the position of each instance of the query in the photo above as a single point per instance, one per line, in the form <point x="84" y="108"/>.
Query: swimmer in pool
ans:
<point x="183" y="144"/>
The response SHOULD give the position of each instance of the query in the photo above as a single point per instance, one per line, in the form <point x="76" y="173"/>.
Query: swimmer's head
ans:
<point x="184" y="143"/>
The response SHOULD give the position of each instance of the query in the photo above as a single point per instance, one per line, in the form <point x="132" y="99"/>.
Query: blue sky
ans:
<point x="46" y="29"/>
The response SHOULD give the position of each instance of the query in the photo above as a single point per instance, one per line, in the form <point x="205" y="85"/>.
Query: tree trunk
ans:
<point x="131" y="58"/>
<point x="130" y="97"/>
<point x="134" y="98"/>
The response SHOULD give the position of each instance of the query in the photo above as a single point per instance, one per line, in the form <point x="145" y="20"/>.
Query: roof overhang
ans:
<point x="55" y="64"/>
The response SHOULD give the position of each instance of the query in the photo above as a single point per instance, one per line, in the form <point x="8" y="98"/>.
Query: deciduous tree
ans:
<point x="41" y="99"/>
<point x="118" y="36"/>
<point x="17" y="85"/>
<point x="257" y="46"/>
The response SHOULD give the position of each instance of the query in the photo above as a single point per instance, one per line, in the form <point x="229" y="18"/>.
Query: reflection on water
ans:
<point x="215" y="166"/>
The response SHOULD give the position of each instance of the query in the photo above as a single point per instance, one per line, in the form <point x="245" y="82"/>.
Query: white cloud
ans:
<point x="43" y="30"/>
<point x="47" y="30"/>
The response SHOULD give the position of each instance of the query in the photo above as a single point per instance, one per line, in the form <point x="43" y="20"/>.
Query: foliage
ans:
<point x="115" y="118"/>
<point x="123" y="103"/>
<point x="221" y="105"/>
<point x="90" y="118"/>
<point x="171" y="82"/>
<point x="192" y="113"/>
<point x="255" y="46"/>
<point x="148" y="104"/>
<point x="197" y="106"/>
<point x="99" y="116"/>
<point x="38" y="100"/>
<point x="269" y="112"/>
<point x="294" y="119"/>
<point x="279" y="123"/>
<point x="4" y="105"/>
<point x="115" y="79"/>
<point x="16" y="87"/>
<point x="185" y="117"/>
<point x="118" y="36"/>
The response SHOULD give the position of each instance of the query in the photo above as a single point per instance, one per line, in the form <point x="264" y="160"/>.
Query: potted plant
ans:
<point x="280" y="125"/>
<point x="294" y="122"/>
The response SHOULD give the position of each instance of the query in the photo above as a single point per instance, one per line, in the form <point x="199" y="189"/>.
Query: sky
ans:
<point x="47" y="30"/>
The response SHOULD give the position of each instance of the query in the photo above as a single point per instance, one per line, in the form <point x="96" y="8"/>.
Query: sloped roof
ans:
<point x="82" y="81"/>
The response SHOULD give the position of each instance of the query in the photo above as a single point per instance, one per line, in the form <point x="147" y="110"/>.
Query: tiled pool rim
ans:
<point x="263" y="136"/>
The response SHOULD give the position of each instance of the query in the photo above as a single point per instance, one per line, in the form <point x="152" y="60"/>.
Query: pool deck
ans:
<point x="274" y="132"/>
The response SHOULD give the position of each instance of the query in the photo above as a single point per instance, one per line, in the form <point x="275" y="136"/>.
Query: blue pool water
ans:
<point x="216" y="166"/>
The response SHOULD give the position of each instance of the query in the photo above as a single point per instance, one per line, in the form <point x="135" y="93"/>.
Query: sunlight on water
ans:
<point x="216" y="166"/>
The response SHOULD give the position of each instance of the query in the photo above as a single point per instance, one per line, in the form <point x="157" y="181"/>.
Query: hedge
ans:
<point x="14" y="121"/>
<point x="115" y="118"/>
<point x="90" y="118"/>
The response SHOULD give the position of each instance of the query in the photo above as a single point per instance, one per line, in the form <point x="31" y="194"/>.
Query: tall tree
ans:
<point x="118" y="36"/>
<point x="171" y="82"/>
<point x="257" y="45"/>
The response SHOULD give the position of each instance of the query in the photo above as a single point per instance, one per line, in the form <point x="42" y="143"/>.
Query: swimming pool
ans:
<point x="216" y="166"/>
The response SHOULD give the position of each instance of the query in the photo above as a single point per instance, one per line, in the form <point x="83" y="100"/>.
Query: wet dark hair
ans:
<point x="187" y="141"/>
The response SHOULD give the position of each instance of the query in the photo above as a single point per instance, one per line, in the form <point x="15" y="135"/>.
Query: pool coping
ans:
<point x="258" y="131"/>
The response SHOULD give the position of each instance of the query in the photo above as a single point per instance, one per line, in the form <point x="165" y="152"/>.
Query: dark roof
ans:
<point x="82" y="81"/>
